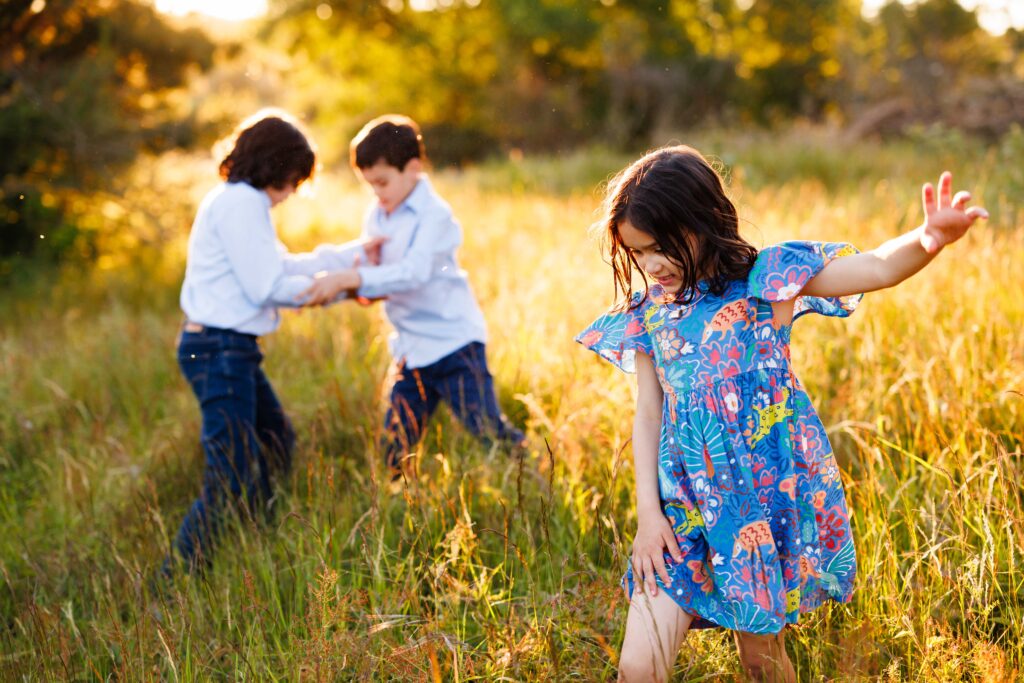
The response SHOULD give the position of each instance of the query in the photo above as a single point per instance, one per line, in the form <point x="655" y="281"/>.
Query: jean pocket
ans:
<point x="197" y="349"/>
<point x="195" y="367"/>
<point x="236" y="363"/>
<point x="193" y="357"/>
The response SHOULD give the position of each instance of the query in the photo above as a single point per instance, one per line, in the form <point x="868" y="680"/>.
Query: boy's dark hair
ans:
<point x="268" y="150"/>
<point x="393" y="138"/>
<point x="675" y="196"/>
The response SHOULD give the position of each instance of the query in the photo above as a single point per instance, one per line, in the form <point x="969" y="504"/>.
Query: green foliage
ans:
<point x="543" y="75"/>
<point x="27" y="210"/>
<point x="84" y="88"/>
<point x="1011" y="151"/>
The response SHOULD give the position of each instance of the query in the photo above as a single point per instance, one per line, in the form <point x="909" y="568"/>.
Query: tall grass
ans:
<point x="484" y="567"/>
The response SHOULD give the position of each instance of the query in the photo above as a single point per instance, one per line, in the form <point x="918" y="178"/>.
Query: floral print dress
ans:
<point x="746" y="474"/>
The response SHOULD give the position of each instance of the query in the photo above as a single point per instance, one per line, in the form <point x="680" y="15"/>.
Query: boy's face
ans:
<point x="389" y="184"/>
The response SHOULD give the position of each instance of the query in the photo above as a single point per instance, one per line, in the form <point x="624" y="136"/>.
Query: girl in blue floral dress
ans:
<point x="742" y="520"/>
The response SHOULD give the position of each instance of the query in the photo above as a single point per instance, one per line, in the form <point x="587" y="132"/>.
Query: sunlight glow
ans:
<point x="995" y="16"/>
<point x="229" y="10"/>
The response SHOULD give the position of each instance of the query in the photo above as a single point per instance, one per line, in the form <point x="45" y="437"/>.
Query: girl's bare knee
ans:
<point x="761" y="668"/>
<point x="640" y="663"/>
<point x="763" y="656"/>
<point x="655" y="629"/>
<point x="638" y="669"/>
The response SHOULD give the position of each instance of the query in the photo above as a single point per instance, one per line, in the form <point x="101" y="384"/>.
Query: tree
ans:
<point x="83" y="88"/>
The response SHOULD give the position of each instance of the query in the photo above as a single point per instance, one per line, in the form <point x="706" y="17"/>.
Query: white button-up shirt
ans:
<point x="238" y="272"/>
<point x="429" y="300"/>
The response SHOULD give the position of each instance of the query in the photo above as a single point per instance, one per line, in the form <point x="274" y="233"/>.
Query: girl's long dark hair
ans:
<point x="267" y="150"/>
<point x="675" y="196"/>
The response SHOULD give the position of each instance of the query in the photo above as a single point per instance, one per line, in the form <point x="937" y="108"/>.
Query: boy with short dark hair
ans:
<point x="439" y="337"/>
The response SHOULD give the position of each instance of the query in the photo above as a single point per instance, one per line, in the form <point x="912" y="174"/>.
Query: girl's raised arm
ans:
<point x="946" y="221"/>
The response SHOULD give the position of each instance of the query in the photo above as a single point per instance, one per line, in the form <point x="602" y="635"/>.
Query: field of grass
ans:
<point x="486" y="568"/>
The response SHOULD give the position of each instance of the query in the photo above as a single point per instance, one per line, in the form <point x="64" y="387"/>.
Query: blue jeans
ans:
<point x="462" y="380"/>
<point x="246" y="436"/>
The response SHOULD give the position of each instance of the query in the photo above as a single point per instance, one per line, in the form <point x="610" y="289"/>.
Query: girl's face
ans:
<point x="649" y="256"/>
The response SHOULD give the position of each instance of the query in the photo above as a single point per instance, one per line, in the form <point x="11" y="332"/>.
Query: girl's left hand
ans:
<point x="948" y="219"/>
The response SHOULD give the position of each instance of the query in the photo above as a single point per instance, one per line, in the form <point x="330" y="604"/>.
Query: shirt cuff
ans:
<point x="372" y="285"/>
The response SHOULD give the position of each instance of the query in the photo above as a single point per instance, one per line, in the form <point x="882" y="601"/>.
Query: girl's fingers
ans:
<point x="659" y="566"/>
<point x="652" y="587"/>
<point x="961" y="199"/>
<point x="945" y="189"/>
<point x="928" y="198"/>
<point x="976" y="212"/>
<point x="638" y="574"/>
<point x="673" y="547"/>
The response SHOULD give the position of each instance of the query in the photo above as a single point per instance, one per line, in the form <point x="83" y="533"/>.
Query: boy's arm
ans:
<point x="324" y="257"/>
<point x="332" y="257"/>
<point x="946" y="221"/>
<point x="437" y="232"/>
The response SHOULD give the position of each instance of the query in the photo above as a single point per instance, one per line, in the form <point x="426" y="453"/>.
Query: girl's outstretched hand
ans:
<point x="654" y="535"/>
<point x="947" y="219"/>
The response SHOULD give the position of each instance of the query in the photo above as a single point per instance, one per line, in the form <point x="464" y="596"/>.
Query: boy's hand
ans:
<point x="372" y="247"/>
<point x="327" y="286"/>
<point x="948" y="219"/>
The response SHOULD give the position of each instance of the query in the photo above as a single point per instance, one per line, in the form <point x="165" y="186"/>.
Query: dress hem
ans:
<point x="701" y="622"/>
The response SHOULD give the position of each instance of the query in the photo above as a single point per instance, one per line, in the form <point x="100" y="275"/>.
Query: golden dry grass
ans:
<point x="484" y="568"/>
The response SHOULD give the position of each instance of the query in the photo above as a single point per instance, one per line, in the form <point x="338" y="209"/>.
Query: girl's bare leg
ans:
<point x="655" y="630"/>
<point x="764" y="657"/>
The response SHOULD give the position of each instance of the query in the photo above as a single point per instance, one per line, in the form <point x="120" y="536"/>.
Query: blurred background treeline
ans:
<point x="88" y="87"/>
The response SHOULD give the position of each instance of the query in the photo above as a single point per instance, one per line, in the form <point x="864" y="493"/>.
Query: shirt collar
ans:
<point x="419" y="195"/>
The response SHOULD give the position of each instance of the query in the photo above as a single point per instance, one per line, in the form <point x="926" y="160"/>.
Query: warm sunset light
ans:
<point x="995" y="16"/>
<point x="459" y="339"/>
<point x="231" y="10"/>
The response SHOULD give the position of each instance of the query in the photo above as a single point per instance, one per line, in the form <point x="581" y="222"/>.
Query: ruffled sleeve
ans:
<point x="782" y="270"/>
<point x="618" y="334"/>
